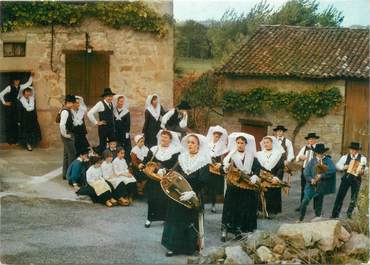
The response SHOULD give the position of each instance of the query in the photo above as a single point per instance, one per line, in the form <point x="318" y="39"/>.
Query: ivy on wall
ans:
<point x="135" y="14"/>
<point x="300" y="105"/>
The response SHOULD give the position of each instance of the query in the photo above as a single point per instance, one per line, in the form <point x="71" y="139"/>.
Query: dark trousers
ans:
<point x="318" y="200"/>
<point x="303" y="184"/>
<point x="69" y="153"/>
<point x="11" y="124"/>
<point x="348" y="181"/>
<point x="105" y="132"/>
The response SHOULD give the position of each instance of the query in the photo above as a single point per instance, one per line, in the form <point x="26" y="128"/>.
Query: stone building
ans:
<point x="290" y="58"/>
<point x="87" y="58"/>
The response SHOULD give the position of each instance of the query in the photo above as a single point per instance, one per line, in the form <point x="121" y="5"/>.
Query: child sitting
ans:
<point x="77" y="170"/>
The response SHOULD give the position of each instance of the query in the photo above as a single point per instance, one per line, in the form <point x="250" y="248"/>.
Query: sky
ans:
<point x="356" y="12"/>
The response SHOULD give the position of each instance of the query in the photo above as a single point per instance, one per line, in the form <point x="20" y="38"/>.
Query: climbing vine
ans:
<point x="118" y="14"/>
<point x="300" y="105"/>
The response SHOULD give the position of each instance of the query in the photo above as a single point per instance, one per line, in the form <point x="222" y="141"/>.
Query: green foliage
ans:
<point x="114" y="14"/>
<point x="301" y="106"/>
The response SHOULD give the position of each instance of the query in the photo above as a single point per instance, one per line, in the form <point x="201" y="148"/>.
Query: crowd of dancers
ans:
<point x="115" y="173"/>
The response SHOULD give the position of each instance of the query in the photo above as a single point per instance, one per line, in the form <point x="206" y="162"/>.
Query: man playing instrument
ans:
<point x="353" y="165"/>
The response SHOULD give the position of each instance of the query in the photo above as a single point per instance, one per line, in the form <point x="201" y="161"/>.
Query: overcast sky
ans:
<point x="356" y="12"/>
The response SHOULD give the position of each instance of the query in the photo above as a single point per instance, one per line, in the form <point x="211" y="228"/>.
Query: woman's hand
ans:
<point x="187" y="195"/>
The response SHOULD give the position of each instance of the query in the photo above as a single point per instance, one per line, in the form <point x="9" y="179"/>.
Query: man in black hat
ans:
<point x="320" y="177"/>
<point x="305" y="155"/>
<point x="353" y="165"/>
<point x="9" y="97"/>
<point x="66" y="132"/>
<point x="285" y="143"/>
<point x="106" y="127"/>
<point x="177" y="119"/>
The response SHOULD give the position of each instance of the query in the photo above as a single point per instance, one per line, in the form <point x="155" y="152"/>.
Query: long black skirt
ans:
<point x="273" y="200"/>
<point x="215" y="186"/>
<point x="240" y="210"/>
<point x="157" y="201"/>
<point x="89" y="191"/>
<point x="11" y="123"/>
<point x="118" y="192"/>
<point x="180" y="232"/>
<point x="81" y="142"/>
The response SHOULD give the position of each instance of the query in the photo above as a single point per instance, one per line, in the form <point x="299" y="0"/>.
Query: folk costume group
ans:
<point x="177" y="170"/>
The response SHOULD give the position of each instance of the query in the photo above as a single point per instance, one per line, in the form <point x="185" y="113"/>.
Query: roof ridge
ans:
<point x="310" y="28"/>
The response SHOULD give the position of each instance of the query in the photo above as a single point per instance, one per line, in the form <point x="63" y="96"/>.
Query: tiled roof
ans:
<point x="302" y="52"/>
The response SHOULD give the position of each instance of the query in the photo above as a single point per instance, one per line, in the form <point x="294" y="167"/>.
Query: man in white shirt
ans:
<point x="351" y="178"/>
<point x="285" y="143"/>
<point x="305" y="155"/>
<point x="106" y="127"/>
<point x="9" y="97"/>
<point x="66" y="132"/>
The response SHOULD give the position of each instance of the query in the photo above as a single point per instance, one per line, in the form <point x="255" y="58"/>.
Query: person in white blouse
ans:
<point x="123" y="174"/>
<point x="9" y="98"/>
<point x="305" y="155"/>
<point x="79" y="110"/>
<point x="29" y="128"/>
<point x="67" y="134"/>
<point x="117" y="184"/>
<point x="351" y="178"/>
<point x="98" y="189"/>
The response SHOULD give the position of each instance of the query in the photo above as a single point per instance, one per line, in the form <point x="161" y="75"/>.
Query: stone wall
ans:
<point x="141" y="64"/>
<point x="329" y="128"/>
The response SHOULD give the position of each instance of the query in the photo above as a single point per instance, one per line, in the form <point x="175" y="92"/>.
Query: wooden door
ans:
<point x="256" y="128"/>
<point x="356" y="120"/>
<point x="87" y="74"/>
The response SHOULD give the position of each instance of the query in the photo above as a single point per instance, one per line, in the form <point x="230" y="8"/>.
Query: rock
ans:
<point x="279" y="249"/>
<point x="264" y="254"/>
<point x="256" y="239"/>
<point x="357" y="245"/>
<point x="214" y="254"/>
<point x="302" y="235"/>
<point x="344" y="235"/>
<point x="236" y="255"/>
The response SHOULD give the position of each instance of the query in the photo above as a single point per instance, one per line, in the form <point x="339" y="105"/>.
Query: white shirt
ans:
<point x="99" y="107"/>
<point x="120" y="167"/>
<point x="20" y="92"/>
<point x="308" y="153"/>
<point x="62" y="125"/>
<point x="343" y="159"/>
<point x="183" y="123"/>
<point x="289" y="146"/>
<point x="28" y="103"/>
<point x="94" y="174"/>
<point x="107" y="169"/>
<point x="78" y="115"/>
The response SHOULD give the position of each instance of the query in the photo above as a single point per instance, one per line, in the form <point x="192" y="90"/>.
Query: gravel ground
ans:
<point x="40" y="226"/>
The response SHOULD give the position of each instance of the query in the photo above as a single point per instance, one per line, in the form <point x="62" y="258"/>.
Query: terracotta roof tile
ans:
<point x="302" y="52"/>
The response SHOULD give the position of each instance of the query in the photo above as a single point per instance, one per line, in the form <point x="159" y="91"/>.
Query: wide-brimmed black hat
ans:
<point x="70" y="98"/>
<point x="312" y="135"/>
<point x="355" y="145"/>
<point x="111" y="139"/>
<point x="320" y="149"/>
<point x="83" y="151"/>
<point x="16" y="76"/>
<point x="183" y="105"/>
<point x="280" y="128"/>
<point x="107" y="92"/>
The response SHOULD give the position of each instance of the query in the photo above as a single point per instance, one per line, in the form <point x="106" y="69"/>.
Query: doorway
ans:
<point x="256" y="128"/>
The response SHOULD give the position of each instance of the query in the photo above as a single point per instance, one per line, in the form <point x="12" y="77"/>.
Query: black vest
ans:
<point x="69" y="123"/>
<point x="12" y="95"/>
<point x="174" y="120"/>
<point x="107" y="115"/>
<point x="283" y="144"/>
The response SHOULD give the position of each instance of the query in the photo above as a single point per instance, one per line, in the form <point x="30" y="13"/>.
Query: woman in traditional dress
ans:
<point x="98" y="189"/>
<point x="138" y="155"/>
<point x="122" y="173"/>
<point x="153" y="114"/>
<point x="30" y="133"/>
<point x="122" y="121"/>
<point x="241" y="205"/>
<point x="271" y="159"/>
<point x="116" y="183"/>
<point x="181" y="228"/>
<point x="165" y="153"/>
<point x="217" y="140"/>
<point x="79" y="110"/>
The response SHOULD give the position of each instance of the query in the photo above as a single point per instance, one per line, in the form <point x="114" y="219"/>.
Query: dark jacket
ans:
<point x="326" y="185"/>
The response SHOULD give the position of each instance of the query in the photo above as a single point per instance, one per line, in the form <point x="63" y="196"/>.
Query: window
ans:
<point x="14" y="49"/>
